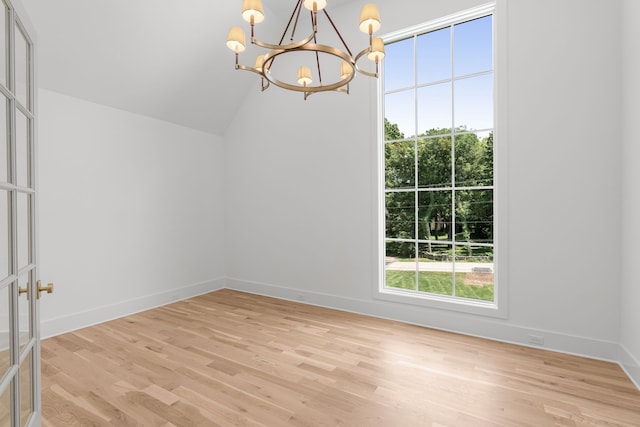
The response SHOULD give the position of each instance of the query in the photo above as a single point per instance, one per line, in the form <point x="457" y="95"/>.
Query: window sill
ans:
<point x="463" y="305"/>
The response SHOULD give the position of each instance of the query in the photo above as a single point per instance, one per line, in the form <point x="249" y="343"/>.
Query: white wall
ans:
<point x="136" y="212"/>
<point x="630" y="319"/>
<point x="301" y="194"/>
<point x="130" y="212"/>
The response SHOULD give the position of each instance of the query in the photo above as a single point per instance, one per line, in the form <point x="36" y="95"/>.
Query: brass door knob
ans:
<point x="24" y="290"/>
<point x="48" y="289"/>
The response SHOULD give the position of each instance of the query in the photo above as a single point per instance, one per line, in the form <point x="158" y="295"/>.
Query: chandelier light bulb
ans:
<point x="252" y="11"/>
<point x="236" y="40"/>
<point x="369" y="19"/>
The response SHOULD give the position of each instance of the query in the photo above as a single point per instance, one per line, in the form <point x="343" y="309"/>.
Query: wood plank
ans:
<point x="235" y="359"/>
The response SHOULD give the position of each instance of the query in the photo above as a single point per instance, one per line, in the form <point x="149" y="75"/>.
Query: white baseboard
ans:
<point x="630" y="365"/>
<point x="490" y="328"/>
<point x="75" y="321"/>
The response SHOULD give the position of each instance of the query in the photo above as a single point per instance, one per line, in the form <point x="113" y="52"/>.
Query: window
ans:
<point x="437" y="154"/>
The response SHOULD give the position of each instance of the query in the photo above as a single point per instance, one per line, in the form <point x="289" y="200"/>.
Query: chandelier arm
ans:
<point x="317" y="48"/>
<point x="366" y="73"/>
<point x="265" y="82"/>
<point x="267" y="63"/>
<point x="337" y="32"/>
<point x="290" y="46"/>
<point x="340" y="89"/>
<point x="252" y="69"/>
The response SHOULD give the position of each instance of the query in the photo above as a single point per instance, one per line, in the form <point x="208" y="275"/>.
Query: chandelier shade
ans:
<point x="304" y="76"/>
<point x="314" y="78"/>
<point x="259" y="62"/>
<point x="315" y="4"/>
<point x="252" y="11"/>
<point x="236" y="40"/>
<point x="377" y="50"/>
<point x="369" y="19"/>
<point x="345" y="70"/>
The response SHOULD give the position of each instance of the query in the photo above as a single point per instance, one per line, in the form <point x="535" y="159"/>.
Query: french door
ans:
<point x="19" y="287"/>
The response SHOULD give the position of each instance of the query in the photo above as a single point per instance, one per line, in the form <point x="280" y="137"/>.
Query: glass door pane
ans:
<point x="3" y="44"/>
<point x="5" y="407"/>
<point x="4" y="234"/>
<point x="22" y="67"/>
<point x="23" y="230"/>
<point x="22" y="149"/>
<point x="26" y="403"/>
<point x="5" y="347"/>
<point x="4" y="145"/>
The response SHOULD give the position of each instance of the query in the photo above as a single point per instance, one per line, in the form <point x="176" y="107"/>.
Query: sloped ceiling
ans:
<point x="164" y="59"/>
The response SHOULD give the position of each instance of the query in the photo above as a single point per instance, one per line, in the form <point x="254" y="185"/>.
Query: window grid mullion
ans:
<point x="416" y="162"/>
<point x="439" y="82"/>
<point x="453" y="162"/>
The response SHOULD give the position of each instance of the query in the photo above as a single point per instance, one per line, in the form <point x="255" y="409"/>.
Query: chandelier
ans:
<point x="346" y="64"/>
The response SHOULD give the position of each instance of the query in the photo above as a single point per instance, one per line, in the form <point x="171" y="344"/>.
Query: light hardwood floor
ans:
<point x="234" y="359"/>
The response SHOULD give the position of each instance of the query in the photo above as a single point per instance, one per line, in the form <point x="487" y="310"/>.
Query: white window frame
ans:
<point x="497" y="307"/>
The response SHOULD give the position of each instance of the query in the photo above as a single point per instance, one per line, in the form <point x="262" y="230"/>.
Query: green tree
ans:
<point x="392" y="131"/>
<point x="473" y="158"/>
<point x="399" y="158"/>
<point x="399" y="206"/>
<point x="434" y="171"/>
<point x="474" y="208"/>
<point x="482" y="200"/>
<point x="400" y="223"/>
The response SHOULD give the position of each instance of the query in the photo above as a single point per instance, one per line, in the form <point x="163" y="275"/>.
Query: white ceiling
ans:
<point x="165" y="59"/>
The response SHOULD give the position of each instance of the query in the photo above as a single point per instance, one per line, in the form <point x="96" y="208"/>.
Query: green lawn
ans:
<point x="438" y="283"/>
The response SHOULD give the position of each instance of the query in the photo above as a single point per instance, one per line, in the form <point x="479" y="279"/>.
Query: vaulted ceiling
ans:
<point x="165" y="59"/>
